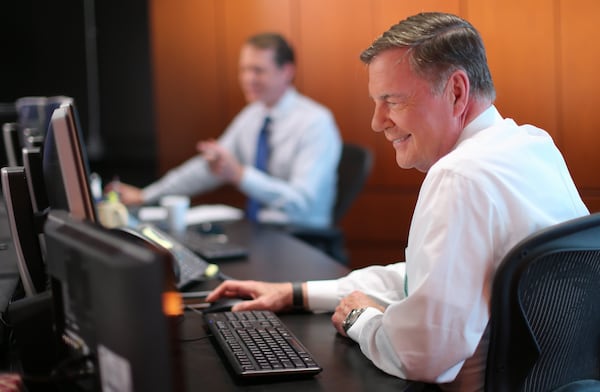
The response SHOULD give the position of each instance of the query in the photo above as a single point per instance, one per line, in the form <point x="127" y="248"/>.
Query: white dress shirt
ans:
<point x="302" y="174"/>
<point x="500" y="183"/>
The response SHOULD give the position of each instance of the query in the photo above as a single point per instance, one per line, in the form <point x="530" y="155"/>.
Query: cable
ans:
<point x="197" y="338"/>
<point x="188" y="307"/>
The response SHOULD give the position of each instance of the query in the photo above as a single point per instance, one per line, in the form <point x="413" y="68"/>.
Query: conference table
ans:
<point x="275" y="256"/>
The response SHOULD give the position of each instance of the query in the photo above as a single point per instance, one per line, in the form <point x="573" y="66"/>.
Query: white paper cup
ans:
<point x="177" y="207"/>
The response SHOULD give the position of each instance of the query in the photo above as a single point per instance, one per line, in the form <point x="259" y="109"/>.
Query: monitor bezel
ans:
<point x="73" y="163"/>
<point x="24" y="233"/>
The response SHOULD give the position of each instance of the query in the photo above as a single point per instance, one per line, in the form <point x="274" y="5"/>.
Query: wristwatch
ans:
<point x="351" y="318"/>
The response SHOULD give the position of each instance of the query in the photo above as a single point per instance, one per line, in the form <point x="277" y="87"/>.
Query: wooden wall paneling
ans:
<point x="382" y="215"/>
<point x="580" y="117"/>
<point x="379" y="220"/>
<point x="187" y="77"/>
<point x="330" y="65"/>
<point x="365" y="253"/>
<point x="520" y="38"/>
<point x="592" y="200"/>
<point x="390" y="12"/>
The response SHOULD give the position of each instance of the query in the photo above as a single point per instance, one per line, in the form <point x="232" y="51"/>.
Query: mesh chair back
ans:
<point x="545" y="311"/>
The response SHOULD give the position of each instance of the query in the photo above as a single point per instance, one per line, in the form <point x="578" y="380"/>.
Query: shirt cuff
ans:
<point x="322" y="295"/>
<point x="362" y="320"/>
<point x="248" y="182"/>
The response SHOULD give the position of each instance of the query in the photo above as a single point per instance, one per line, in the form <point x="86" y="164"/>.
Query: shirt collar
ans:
<point x="285" y="103"/>
<point x="486" y="119"/>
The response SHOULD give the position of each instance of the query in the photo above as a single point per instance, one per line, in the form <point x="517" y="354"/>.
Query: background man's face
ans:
<point x="261" y="79"/>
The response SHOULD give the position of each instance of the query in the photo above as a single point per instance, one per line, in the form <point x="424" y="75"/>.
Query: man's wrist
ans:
<point x="351" y="318"/>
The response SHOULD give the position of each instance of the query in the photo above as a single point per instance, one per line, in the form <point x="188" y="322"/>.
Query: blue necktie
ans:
<point x="261" y="161"/>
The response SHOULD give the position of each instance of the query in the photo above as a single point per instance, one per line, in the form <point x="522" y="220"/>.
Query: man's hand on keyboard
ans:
<point x="262" y="295"/>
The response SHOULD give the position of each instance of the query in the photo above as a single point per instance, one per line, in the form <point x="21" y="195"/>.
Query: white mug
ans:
<point x="177" y="207"/>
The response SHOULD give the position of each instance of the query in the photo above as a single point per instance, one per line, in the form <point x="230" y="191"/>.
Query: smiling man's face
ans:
<point x="420" y="124"/>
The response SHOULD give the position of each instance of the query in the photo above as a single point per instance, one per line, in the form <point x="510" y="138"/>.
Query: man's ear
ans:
<point x="458" y="90"/>
<point x="290" y="70"/>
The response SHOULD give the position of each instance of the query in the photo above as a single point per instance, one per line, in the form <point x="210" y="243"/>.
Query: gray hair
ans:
<point x="439" y="44"/>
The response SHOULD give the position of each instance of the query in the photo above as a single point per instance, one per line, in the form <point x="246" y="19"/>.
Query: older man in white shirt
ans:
<point x="489" y="183"/>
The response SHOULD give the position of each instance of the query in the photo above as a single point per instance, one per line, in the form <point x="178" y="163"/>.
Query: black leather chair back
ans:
<point x="353" y="170"/>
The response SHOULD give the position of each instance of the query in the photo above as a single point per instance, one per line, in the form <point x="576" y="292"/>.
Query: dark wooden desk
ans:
<point x="275" y="256"/>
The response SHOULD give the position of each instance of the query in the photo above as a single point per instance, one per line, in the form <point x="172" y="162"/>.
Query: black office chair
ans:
<point x="353" y="170"/>
<point x="545" y="310"/>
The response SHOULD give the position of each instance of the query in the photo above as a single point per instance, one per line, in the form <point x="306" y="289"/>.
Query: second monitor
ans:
<point x="116" y="306"/>
<point x="73" y="163"/>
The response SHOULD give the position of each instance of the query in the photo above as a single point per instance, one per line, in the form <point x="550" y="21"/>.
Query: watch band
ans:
<point x="351" y="318"/>
<point x="297" y="296"/>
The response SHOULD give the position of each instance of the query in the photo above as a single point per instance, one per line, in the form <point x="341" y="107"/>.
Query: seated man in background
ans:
<point x="489" y="183"/>
<point x="298" y="180"/>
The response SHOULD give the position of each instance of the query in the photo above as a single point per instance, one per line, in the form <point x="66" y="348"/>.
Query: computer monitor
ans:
<point x="27" y="204"/>
<point x="74" y="171"/>
<point x="12" y="144"/>
<point x="55" y="188"/>
<point x="24" y="230"/>
<point x="116" y="305"/>
<point x="33" y="116"/>
<point x="32" y="161"/>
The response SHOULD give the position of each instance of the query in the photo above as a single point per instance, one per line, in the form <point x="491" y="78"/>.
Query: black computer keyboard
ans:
<point x="212" y="246"/>
<point x="258" y="344"/>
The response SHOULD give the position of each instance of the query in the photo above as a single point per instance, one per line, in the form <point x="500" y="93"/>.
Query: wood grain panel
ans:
<point x="579" y="65"/>
<point x="376" y="229"/>
<point x="380" y="217"/>
<point x="592" y="203"/>
<point x="374" y="253"/>
<point x="389" y="12"/>
<point x="331" y="36"/>
<point x="520" y="38"/>
<point x="186" y="78"/>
